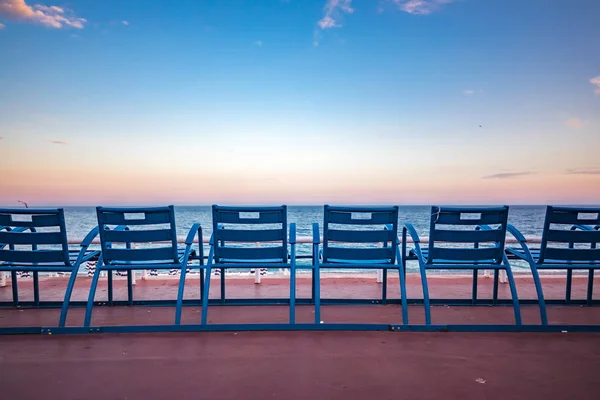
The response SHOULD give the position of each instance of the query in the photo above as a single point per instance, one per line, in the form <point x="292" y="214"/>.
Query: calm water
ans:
<point x="528" y="219"/>
<point x="80" y="220"/>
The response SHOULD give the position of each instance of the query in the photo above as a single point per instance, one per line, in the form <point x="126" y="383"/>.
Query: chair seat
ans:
<point x="551" y="264"/>
<point x="455" y="264"/>
<point x="163" y="264"/>
<point x="89" y="255"/>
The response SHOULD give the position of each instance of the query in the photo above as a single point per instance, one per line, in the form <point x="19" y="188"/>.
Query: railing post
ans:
<point x="257" y="272"/>
<point x="380" y="271"/>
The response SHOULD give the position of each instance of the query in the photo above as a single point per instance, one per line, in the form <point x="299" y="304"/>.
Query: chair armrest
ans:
<point x="316" y="236"/>
<point x="195" y="229"/>
<point x="408" y="227"/>
<point x="516" y="233"/>
<point x="582" y="227"/>
<point x="87" y="240"/>
<point x="293" y="233"/>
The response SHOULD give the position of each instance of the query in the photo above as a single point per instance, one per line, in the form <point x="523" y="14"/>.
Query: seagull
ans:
<point x="19" y="201"/>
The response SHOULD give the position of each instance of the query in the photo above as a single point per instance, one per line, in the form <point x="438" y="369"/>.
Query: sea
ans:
<point x="528" y="219"/>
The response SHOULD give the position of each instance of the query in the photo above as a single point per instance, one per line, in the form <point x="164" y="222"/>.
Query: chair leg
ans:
<point x="110" y="287"/>
<point x="569" y="290"/>
<point x="426" y="303"/>
<point x="590" y="287"/>
<point x="180" y="291"/>
<point x="201" y="282"/>
<point x="15" y="287"/>
<point x="92" y="294"/>
<point x="130" y="287"/>
<point x="513" y="294"/>
<point x="474" y="289"/>
<point x="384" y="287"/>
<point x="495" y="289"/>
<point x="292" y="294"/>
<point x="205" y="296"/>
<point x="223" y="284"/>
<point x="540" y="293"/>
<point x="403" y="297"/>
<point x="36" y="288"/>
<point x="65" y="307"/>
<point x="317" y="294"/>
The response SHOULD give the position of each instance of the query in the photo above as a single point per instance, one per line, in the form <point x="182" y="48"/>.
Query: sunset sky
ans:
<point x="299" y="102"/>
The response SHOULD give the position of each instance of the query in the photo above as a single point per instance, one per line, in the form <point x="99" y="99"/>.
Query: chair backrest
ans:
<point x="33" y="236"/>
<point x="360" y="234"/>
<point x="562" y="244"/>
<point x="238" y="230"/>
<point x="455" y="236"/>
<point x="150" y="232"/>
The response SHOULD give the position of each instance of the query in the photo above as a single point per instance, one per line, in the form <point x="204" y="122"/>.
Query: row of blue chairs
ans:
<point x="460" y="238"/>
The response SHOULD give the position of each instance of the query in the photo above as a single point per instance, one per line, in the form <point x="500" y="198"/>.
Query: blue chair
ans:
<point x="456" y="236"/>
<point x="347" y="244"/>
<point x="569" y="242"/>
<point x="37" y="242"/>
<point x="237" y="233"/>
<point x="153" y="232"/>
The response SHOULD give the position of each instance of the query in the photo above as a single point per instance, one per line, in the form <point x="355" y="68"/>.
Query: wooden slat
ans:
<point x="138" y="236"/>
<point x="575" y="236"/>
<point x="571" y="254"/>
<point x="264" y="217"/>
<point x="340" y="253"/>
<point x="470" y="236"/>
<point x="250" y="253"/>
<point x="31" y="238"/>
<point x="154" y="254"/>
<point x="377" y="218"/>
<point x="250" y="235"/>
<point x="454" y="218"/>
<point x="37" y="221"/>
<point x="33" y="256"/>
<point x="110" y="218"/>
<point x="336" y="235"/>
<point x="457" y="254"/>
<point x="571" y="217"/>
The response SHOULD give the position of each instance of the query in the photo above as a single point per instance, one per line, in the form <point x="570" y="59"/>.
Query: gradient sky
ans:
<point x="299" y="102"/>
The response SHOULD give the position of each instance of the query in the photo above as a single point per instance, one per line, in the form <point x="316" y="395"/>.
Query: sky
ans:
<point x="195" y="102"/>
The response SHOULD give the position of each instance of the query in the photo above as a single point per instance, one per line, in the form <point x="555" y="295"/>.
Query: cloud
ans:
<point x="596" y="82"/>
<point x="507" y="175"/>
<point x="2" y="26"/>
<point x="258" y="43"/>
<point x="125" y="23"/>
<point x="420" y="7"/>
<point x="468" y="92"/>
<point x="60" y="142"/>
<point x="584" y="171"/>
<point x="334" y="9"/>
<point x="574" y="122"/>
<point x="50" y="16"/>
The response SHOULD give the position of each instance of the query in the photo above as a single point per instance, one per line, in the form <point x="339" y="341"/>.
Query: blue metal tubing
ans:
<point x="211" y="264"/>
<point x="409" y="229"/>
<point x="528" y="256"/>
<point x="317" y="265"/>
<point x="298" y="327"/>
<point x="83" y="256"/>
<point x="101" y="267"/>
<point x="195" y="231"/>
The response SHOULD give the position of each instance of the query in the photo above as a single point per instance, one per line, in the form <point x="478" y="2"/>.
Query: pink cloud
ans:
<point x="420" y="7"/>
<point x="574" y="122"/>
<point x="50" y="16"/>
<point x="596" y="82"/>
<point x="334" y="9"/>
